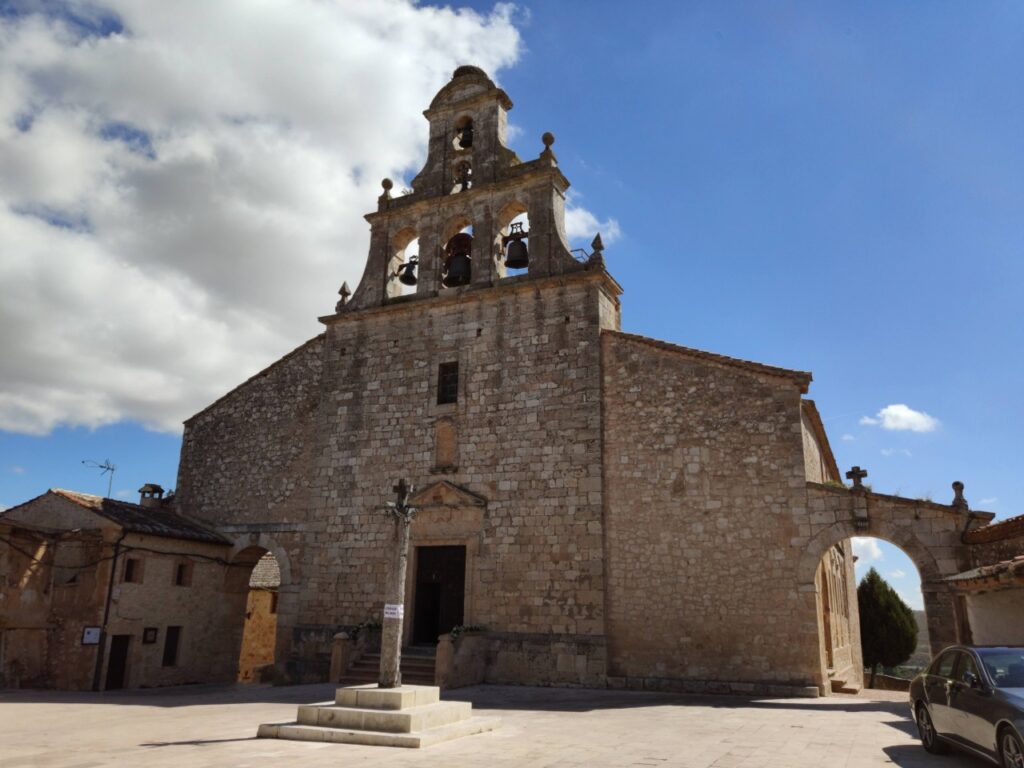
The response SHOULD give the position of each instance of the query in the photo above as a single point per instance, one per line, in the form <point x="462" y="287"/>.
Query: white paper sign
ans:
<point x="394" y="611"/>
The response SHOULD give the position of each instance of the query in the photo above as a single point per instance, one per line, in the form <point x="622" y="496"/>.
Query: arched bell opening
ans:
<point x="511" y="245"/>
<point x="462" y="135"/>
<point x="403" y="266"/>
<point x="462" y="175"/>
<point x="457" y="254"/>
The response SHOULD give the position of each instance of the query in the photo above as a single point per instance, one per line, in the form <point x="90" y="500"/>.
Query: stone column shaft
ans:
<point x="391" y="631"/>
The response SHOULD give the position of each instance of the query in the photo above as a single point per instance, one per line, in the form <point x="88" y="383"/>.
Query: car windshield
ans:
<point x="1004" y="665"/>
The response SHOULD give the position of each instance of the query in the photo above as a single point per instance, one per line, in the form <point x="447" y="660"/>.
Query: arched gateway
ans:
<point x="930" y="534"/>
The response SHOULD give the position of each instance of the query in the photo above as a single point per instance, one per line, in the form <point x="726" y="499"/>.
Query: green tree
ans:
<point x="888" y="631"/>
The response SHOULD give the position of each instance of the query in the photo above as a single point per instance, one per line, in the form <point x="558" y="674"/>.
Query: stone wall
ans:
<point x="246" y="457"/>
<point x="704" y="484"/>
<point x="1003" y="540"/>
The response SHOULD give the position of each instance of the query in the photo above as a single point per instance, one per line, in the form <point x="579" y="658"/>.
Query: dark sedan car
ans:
<point x="973" y="697"/>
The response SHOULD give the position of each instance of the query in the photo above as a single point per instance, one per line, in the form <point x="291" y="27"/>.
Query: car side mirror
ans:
<point x="973" y="682"/>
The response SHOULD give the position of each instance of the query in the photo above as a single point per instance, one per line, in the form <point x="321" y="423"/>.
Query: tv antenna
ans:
<point x="104" y="468"/>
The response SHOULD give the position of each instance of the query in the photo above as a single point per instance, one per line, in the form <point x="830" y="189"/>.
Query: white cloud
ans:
<point x="899" y="417"/>
<point x="848" y="438"/>
<point x="125" y="493"/>
<point x="582" y="225"/>
<point x="897" y="574"/>
<point x="867" y="548"/>
<point x="989" y="500"/>
<point x="179" y="202"/>
<point x="895" y="451"/>
<point x="17" y="470"/>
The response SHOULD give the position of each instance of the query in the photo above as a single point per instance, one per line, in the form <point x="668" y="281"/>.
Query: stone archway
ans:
<point x="244" y="559"/>
<point x="930" y="535"/>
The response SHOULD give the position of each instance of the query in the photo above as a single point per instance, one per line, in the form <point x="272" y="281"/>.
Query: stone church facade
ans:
<point x="612" y="509"/>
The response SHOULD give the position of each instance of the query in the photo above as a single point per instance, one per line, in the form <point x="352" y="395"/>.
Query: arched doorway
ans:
<point x="254" y="583"/>
<point x="937" y="598"/>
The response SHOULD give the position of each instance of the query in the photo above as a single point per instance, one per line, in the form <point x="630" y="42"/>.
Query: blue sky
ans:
<point x="832" y="187"/>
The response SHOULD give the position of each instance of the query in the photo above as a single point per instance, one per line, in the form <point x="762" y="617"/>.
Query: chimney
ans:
<point x="151" y="495"/>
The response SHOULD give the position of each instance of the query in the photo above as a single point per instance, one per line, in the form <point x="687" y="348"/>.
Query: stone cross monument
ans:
<point x="394" y="607"/>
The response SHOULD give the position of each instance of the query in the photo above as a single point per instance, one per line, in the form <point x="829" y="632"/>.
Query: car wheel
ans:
<point x="1011" y="750"/>
<point x="926" y="730"/>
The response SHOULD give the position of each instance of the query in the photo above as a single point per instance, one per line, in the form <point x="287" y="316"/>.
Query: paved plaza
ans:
<point x="199" y="726"/>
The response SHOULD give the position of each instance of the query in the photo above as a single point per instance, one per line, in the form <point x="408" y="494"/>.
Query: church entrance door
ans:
<point x="440" y="592"/>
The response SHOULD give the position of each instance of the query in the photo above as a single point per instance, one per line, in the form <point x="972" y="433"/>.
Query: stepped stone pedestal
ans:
<point x="407" y="716"/>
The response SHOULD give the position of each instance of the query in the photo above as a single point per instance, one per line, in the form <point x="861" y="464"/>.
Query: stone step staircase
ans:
<point x="417" y="668"/>
<point x="407" y="716"/>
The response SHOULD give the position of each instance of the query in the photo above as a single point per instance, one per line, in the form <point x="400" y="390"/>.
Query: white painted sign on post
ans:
<point x="394" y="611"/>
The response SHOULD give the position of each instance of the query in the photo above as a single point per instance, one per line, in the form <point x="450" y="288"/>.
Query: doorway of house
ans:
<point x="440" y="592"/>
<point x="117" y="663"/>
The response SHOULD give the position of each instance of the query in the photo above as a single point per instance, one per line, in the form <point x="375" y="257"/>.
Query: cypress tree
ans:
<point x="888" y="631"/>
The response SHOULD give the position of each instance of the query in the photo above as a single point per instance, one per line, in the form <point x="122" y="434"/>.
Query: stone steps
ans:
<point x="407" y="716"/>
<point x="416" y="670"/>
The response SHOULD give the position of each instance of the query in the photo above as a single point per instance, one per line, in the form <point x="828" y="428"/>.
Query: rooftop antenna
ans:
<point x="104" y="468"/>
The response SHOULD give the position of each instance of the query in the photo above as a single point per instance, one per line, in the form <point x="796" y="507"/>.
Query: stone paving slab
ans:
<point x="207" y="726"/>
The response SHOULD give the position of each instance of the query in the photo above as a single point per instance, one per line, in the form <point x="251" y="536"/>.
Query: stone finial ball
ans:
<point x="387" y="184"/>
<point x="548" y="138"/>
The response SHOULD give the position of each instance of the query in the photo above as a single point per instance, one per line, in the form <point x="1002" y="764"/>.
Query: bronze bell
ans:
<point x="457" y="262"/>
<point x="517" y="255"/>
<point x="407" y="271"/>
<point x="466" y="137"/>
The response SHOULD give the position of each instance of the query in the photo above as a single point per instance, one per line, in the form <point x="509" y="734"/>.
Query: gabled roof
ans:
<point x="134" y="517"/>
<point x="801" y="378"/>
<point x="265" y="372"/>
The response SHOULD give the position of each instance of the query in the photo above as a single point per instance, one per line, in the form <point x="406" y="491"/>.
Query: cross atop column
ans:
<point x="402" y="490"/>
<point x="857" y="475"/>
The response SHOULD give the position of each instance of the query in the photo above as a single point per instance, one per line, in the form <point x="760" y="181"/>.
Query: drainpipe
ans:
<point x="106" y="613"/>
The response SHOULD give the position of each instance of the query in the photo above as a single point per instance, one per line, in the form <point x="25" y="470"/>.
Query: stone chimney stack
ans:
<point x="151" y="495"/>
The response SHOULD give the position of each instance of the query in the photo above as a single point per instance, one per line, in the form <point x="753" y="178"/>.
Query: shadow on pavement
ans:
<point x="178" y="696"/>
<point x="914" y="756"/>
<point x="587" y="700"/>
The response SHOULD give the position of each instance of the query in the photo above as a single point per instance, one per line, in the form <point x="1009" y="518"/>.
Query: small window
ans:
<point x="447" y="383"/>
<point x="273" y="602"/>
<point x="171" y="646"/>
<point x="132" y="571"/>
<point x="183" y="575"/>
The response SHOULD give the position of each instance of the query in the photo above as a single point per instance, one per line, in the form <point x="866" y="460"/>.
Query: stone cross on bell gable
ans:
<point x="857" y="475"/>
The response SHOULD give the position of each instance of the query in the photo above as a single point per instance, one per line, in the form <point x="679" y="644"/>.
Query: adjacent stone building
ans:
<point x="97" y="594"/>
<point x="992" y="592"/>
